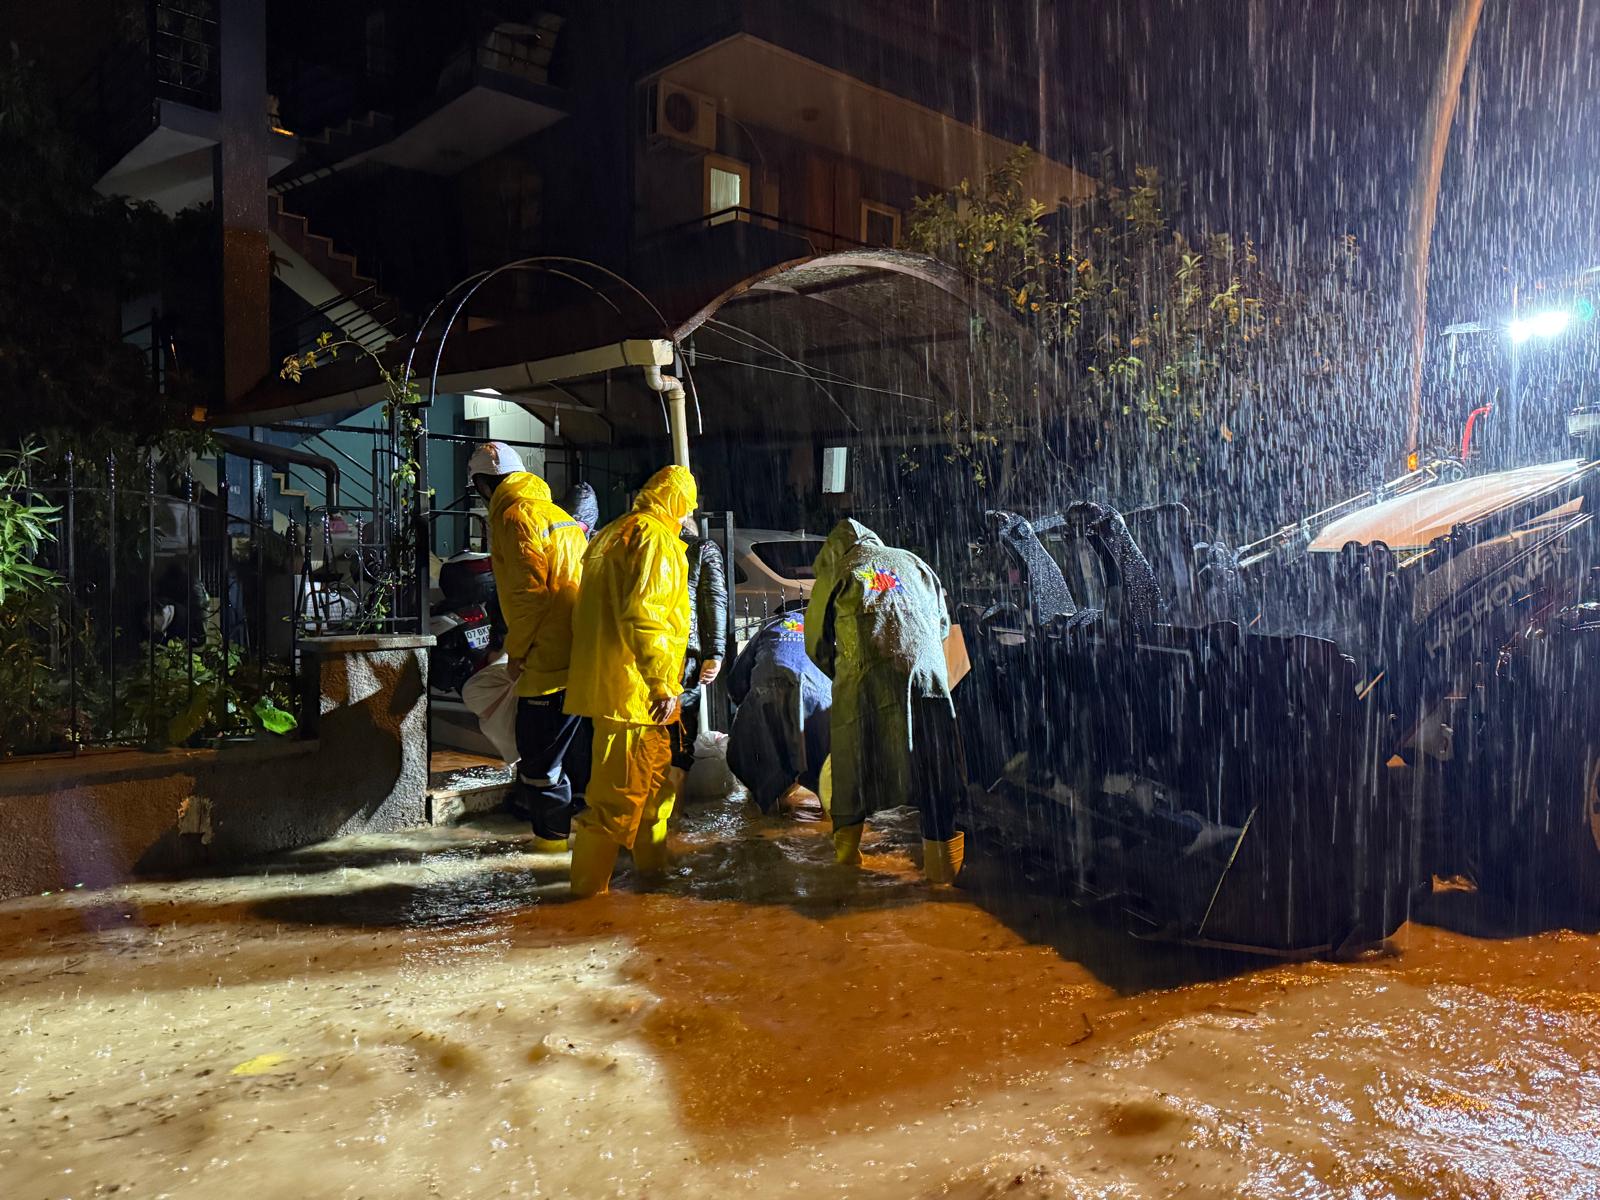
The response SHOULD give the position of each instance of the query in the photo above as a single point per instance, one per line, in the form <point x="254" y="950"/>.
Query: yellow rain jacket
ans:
<point x="537" y="552"/>
<point x="631" y="625"/>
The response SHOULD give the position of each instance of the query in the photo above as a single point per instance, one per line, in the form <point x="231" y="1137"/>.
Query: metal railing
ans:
<point x="180" y="595"/>
<point x="819" y="240"/>
<point x="167" y="621"/>
<point x="174" y="54"/>
<point x="408" y="74"/>
<point x="369" y="316"/>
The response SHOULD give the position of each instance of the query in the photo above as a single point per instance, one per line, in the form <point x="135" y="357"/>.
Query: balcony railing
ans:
<point x="819" y="241"/>
<point x="174" y="55"/>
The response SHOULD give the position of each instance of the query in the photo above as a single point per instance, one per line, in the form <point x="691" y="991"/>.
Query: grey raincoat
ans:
<point x="876" y="624"/>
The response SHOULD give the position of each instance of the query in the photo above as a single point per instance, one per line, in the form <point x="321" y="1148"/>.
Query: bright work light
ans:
<point x="1546" y="324"/>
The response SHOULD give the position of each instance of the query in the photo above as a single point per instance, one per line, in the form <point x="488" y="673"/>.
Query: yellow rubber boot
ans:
<point x="847" y="846"/>
<point x="941" y="861"/>
<point x="550" y="845"/>
<point x="593" y="857"/>
<point x="650" y="847"/>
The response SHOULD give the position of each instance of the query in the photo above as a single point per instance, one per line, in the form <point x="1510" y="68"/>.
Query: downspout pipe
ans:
<point x="677" y="411"/>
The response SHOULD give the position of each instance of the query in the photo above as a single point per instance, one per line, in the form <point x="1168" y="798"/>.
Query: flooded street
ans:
<point x="427" y="1015"/>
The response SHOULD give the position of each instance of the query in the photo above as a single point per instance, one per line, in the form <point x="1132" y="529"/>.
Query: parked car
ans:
<point x="770" y="567"/>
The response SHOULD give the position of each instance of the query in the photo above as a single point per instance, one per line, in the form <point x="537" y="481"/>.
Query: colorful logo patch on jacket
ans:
<point x="794" y="625"/>
<point x="878" y="581"/>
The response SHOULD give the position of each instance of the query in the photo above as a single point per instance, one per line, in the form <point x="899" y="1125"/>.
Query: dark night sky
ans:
<point x="1299" y="120"/>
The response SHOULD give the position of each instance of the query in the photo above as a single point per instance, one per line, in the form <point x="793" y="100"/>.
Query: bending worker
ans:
<point x="876" y="624"/>
<point x="779" y="738"/>
<point x="536" y="550"/>
<point x="630" y="630"/>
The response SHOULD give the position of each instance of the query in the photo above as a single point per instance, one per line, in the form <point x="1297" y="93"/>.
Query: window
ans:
<point x="835" y="460"/>
<point x="727" y="187"/>
<point x="790" y="559"/>
<point x="880" y="224"/>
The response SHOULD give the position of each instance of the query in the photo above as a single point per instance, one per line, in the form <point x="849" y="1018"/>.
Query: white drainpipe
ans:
<point x="677" y="411"/>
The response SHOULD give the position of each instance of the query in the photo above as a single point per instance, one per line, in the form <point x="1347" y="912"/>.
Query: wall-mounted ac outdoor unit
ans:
<point x="680" y="115"/>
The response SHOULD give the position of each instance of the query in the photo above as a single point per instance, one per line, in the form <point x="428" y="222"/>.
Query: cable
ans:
<point x="860" y="387"/>
<point x="728" y="331"/>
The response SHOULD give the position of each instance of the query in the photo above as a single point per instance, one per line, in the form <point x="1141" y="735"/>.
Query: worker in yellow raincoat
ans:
<point x="536" y="550"/>
<point x="629" y="633"/>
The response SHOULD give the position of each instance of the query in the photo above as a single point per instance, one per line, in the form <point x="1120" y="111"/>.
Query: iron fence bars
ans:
<point x="150" y="573"/>
<point x="181" y="602"/>
<point x="71" y="542"/>
<point x="111" y="576"/>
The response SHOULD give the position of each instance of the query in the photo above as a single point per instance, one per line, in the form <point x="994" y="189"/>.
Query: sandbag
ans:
<point x="710" y="778"/>
<point x="491" y="696"/>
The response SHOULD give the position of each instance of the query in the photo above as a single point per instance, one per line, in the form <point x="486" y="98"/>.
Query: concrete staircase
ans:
<point x="330" y="280"/>
<point x="333" y="150"/>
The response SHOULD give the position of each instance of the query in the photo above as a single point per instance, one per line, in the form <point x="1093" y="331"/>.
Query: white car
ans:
<point x="770" y="567"/>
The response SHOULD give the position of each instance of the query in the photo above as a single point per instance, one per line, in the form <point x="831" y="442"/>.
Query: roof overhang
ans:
<point x="867" y="346"/>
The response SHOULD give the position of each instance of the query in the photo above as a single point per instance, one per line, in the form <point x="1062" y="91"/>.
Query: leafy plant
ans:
<point x="1145" y="352"/>
<point x="207" y="691"/>
<point x="26" y="525"/>
<point x="402" y="399"/>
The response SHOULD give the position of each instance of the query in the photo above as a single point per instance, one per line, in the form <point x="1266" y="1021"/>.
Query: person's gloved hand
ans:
<point x="662" y="711"/>
<point x="709" y="670"/>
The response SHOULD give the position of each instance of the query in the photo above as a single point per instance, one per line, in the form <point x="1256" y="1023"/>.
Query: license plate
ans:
<point x="478" y="639"/>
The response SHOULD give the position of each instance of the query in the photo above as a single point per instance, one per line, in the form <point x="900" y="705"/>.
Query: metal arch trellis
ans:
<point x="466" y="288"/>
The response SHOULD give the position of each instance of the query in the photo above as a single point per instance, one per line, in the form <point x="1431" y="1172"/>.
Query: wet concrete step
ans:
<point x="461" y="785"/>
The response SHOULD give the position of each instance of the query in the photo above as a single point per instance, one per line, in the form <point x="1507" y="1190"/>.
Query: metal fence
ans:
<point x="182" y="592"/>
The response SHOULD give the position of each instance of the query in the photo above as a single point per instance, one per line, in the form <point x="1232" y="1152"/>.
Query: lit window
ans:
<point x="834" y="459"/>
<point x="727" y="189"/>
<point x="880" y="224"/>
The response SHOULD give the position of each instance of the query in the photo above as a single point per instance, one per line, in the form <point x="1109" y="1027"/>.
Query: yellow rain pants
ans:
<point x="626" y="793"/>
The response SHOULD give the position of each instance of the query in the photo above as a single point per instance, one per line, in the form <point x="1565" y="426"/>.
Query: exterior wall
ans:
<point x="362" y="768"/>
<point x="817" y="187"/>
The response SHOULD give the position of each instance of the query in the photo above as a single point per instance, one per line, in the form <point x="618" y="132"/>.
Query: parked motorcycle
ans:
<point x="465" y="623"/>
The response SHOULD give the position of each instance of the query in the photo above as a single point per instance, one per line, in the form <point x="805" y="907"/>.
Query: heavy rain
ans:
<point x="913" y="599"/>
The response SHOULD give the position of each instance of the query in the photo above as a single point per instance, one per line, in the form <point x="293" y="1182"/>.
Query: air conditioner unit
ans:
<point x="680" y="115"/>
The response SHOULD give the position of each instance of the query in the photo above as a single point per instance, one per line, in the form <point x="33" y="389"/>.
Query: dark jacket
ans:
<point x="780" y="731"/>
<point x="710" y="633"/>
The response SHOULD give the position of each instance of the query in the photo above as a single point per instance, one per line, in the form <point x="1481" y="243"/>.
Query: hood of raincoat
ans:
<point x="671" y="494"/>
<point x="518" y="488"/>
<point x="631" y="625"/>
<point x="846" y="536"/>
<point x="584" y="505"/>
<point x="537" y="552"/>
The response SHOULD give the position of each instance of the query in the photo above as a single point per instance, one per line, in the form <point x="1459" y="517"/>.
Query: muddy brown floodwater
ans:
<point x="428" y="1015"/>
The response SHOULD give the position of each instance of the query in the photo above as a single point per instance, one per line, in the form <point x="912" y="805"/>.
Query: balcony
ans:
<point x="712" y="253"/>
<point x="149" y="108"/>
<point x="422" y="106"/>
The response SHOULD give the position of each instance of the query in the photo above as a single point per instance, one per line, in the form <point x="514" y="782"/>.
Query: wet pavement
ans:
<point x="428" y="1015"/>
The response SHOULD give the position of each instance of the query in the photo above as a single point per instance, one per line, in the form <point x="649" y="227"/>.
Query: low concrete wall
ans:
<point x="362" y="766"/>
